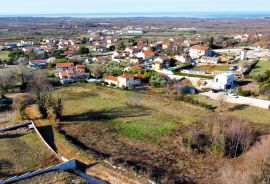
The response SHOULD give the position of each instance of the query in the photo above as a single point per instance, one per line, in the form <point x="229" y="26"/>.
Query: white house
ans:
<point x="67" y="72"/>
<point x="222" y="81"/>
<point x="198" y="51"/>
<point x="183" y="58"/>
<point x="145" y="55"/>
<point x="112" y="80"/>
<point x="60" y="67"/>
<point x="209" y="60"/>
<point x="124" y="80"/>
<point x="67" y="76"/>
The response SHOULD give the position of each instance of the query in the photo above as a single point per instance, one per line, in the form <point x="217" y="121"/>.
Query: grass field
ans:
<point x="21" y="153"/>
<point x="132" y="115"/>
<point x="212" y="68"/>
<point x="4" y="55"/>
<point x="143" y="131"/>
<point x="260" y="68"/>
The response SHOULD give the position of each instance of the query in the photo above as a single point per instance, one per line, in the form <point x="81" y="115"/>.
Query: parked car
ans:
<point x="233" y="68"/>
<point x="6" y="101"/>
<point x="232" y="95"/>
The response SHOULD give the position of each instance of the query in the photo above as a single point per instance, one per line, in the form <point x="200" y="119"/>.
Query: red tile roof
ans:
<point x="199" y="47"/>
<point x="138" y="76"/>
<point x="64" y="65"/>
<point x="111" y="78"/>
<point x="148" y="52"/>
<point x="64" y="74"/>
<point x="126" y="76"/>
<point x="80" y="66"/>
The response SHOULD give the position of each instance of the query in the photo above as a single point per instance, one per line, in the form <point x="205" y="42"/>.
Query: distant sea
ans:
<point x="126" y="15"/>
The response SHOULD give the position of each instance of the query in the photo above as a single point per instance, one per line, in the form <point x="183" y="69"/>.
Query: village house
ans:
<point x="209" y="60"/>
<point x="183" y="58"/>
<point x="145" y="55"/>
<point x="135" y="61"/>
<point x="111" y="80"/>
<point x="222" y="81"/>
<point x="156" y="66"/>
<point x="167" y="46"/>
<point x="37" y="64"/>
<point x="99" y="58"/>
<point x="197" y="51"/>
<point x="125" y="80"/>
<point x="68" y="73"/>
<point x="190" y="43"/>
<point x="27" y="49"/>
<point x="60" y="67"/>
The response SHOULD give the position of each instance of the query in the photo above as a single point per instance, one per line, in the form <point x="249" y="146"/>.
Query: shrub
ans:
<point x="256" y="166"/>
<point x="199" y="140"/>
<point x="19" y="106"/>
<point x="242" y="92"/>
<point x="223" y="135"/>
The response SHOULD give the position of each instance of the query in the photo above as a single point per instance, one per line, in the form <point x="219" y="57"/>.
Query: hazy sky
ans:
<point x="128" y="6"/>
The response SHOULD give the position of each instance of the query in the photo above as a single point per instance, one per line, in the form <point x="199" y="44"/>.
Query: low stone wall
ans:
<point x="25" y="124"/>
<point x="69" y="165"/>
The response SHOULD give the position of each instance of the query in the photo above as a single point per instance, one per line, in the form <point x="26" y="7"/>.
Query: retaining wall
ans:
<point x="69" y="165"/>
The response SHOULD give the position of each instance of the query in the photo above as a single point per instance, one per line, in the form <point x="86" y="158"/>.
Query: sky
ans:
<point x="15" y="7"/>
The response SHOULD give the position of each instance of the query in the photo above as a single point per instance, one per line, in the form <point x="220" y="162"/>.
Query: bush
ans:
<point x="256" y="166"/>
<point x="223" y="135"/>
<point x="242" y="92"/>
<point x="199" y="140"/>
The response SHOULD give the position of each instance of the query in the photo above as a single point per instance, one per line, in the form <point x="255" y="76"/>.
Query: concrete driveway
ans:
<point x="240" y="100"/>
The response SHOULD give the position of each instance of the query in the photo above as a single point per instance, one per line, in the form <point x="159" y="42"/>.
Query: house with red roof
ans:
<point x="145" y="55"/>
<point x="183" y="58"/>
<point x="127" y="80"/>
<point x="124" y="80"/>
<point x="67" y="72"/>
<point x="38" y="64"/>
<point x="197" y="51"/>
<point x="112" y="80"/>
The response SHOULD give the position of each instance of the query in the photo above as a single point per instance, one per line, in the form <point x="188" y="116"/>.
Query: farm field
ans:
<point x="4" y="55"/>
<point x="142" y="131"/>
<point x="260" y="68"/>
<point x="212" y="68"/>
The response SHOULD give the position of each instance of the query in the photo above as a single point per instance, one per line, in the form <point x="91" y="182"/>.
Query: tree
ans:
<point x="211" y="43"/>
<point x="112" y="48"/>
<point x="23" y="75"/>
<point x="84" y="40"/>
<point x="7" y="81"/>
<point x="41" y="88"/>
<point x="14" y="56"/>
<point x="57" y="107"/>
<point x="121" y="46"/>
<point x="97" y="71"/>
<point x="83" y="50"/>
<point x="39" y="84"/>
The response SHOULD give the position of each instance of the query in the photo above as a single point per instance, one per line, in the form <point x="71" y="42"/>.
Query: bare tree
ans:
<point x="7" y="81"/>
<point x="40" y="84"/>
<point x="41" y="88"/>
<point x="221" y="100"/>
